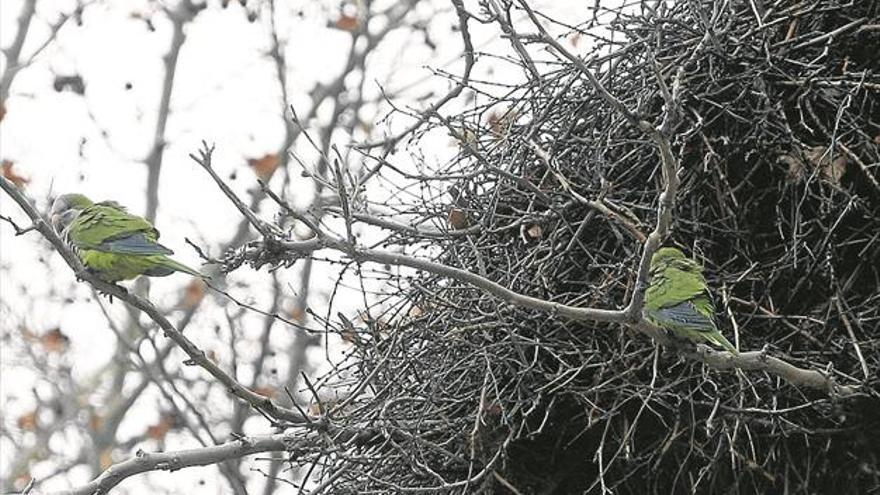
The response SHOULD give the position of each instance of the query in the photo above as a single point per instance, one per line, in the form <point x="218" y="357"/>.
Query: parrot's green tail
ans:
<point x="720" y="340"/>
<point x="180" y="267"/>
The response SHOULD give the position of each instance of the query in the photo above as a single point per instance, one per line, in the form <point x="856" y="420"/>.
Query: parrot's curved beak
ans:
<point x="55" y="220"/>
<point x="61" y="219"/>
<point x="56" y="216"/>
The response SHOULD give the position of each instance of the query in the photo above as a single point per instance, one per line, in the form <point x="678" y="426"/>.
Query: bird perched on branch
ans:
<point x="111" y="242"/>
<point x="678" y="299"/>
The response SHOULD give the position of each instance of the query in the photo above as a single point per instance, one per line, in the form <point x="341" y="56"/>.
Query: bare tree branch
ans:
<point x="423" y="116"/>
<point x="274" y="250"/>
<point x="144" y="462"/>
<point x="13" y="53"/>
<point x="179" y="17"/>
<point x="196" y="355"/>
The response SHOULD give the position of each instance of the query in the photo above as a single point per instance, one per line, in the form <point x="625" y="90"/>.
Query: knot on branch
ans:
<point x="269" y="251"/>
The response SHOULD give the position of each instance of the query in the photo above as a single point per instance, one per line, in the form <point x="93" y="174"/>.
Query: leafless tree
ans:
<point x="501" y="346"/>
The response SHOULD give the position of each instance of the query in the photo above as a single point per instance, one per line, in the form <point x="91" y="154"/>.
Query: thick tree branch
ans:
<point x="13" y="53"/>
<point x="761" y="361"/>
<point x="144" y="462"/>
<point x="179" y="17"/>
<point x="753" y="361"/>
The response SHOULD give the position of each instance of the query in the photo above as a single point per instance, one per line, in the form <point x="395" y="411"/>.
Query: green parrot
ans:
<point x="111" y="242"/>
<point x="678" y="299"/>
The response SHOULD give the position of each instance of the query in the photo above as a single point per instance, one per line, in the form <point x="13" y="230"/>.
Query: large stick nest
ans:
<point x="780" y="154"/>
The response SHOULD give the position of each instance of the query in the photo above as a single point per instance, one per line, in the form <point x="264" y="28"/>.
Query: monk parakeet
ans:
<point x="111" y="242"/>
<point x="678" y="299"/>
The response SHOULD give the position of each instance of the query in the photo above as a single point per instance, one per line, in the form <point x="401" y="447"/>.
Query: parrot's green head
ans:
<point x="670" y="257"/>
<point x="66" y="208"/>
<point x="666" y="256"/>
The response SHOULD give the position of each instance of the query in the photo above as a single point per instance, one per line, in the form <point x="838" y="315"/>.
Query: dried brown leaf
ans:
<point x="27" y="421"/>
<point x="831" y="169"/>
<point x="297" y="313"/>
<point x="347" y="23"/>
<point x="534" y="231"/>
<point x="193" y="293"/>
<point x="54" y="341"/>
<point x="167" y="421"/>
<point x="6" y="169"/>
<point x="265" y="166"/>
<point x="106" y="458"/>
<point x="457" y="219"/>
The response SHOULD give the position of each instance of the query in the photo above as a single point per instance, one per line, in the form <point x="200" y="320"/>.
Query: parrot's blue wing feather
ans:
<point x="683" y="315"/>
<point x="134" y="244"/>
